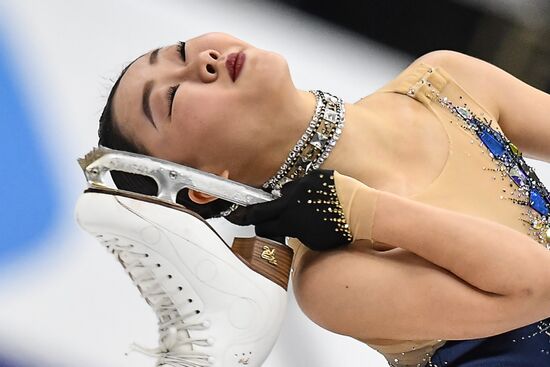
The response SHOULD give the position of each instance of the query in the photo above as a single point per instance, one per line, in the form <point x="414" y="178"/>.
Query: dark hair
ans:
<point x="111" y="136"/>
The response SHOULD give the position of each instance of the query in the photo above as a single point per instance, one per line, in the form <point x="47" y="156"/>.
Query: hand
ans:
<point x="308" y="209"/>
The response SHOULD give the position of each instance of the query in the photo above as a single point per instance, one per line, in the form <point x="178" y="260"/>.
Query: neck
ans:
<point x="361" y="151"/>
<point x="292" y="122"/>
<point x="357" y="152"/>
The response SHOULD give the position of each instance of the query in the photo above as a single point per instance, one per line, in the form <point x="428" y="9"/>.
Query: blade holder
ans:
<point x="170" y="177"/>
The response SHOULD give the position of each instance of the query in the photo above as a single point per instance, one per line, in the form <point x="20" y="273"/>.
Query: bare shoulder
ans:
<point x="440" y="57"/>
<point x="478" y="77"/>
<point x="474" y="75"/>
<point x="452" y="61"/>
<point x="520" y="109"/>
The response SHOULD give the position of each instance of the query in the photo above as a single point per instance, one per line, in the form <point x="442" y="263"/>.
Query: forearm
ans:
<point x="486" y="254"/>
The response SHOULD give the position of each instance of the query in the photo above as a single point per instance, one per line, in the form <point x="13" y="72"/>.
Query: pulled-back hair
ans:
<point x="111" y="136"/>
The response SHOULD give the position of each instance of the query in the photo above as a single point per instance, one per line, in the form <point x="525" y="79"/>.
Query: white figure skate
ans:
<point x="216" y="306"/>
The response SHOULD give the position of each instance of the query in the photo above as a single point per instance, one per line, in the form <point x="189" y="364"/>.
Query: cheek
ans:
<point x="208" y="123"/>
<point x="205" y="114"/>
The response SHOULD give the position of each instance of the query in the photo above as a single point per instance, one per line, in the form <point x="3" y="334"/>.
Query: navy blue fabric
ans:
<point x="499" y="350"/>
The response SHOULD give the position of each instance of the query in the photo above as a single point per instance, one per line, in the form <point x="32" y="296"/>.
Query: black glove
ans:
<point x="308" y="209"/>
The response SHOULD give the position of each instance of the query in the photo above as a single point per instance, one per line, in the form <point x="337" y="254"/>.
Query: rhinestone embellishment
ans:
<point x="315" y="145"/>
<point x="512" y="163"/>
<point x="326" y="202"/>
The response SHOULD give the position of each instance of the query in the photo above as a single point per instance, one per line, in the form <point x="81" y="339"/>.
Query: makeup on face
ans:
<point x="234" y="64"/>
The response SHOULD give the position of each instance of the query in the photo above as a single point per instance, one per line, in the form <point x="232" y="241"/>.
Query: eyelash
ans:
<point x="171" y="95"/>
<point x="172" y="90"/>
<point x="181" y="50"/>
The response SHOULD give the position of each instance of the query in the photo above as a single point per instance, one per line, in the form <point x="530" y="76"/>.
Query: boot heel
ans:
<point x="265" y="257"/>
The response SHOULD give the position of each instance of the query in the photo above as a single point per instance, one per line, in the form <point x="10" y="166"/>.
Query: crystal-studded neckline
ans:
<point x="315" y="145"/>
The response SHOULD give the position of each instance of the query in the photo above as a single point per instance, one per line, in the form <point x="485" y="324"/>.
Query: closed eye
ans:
<point x="181" y="50"/>
<point x="171" y="94"/>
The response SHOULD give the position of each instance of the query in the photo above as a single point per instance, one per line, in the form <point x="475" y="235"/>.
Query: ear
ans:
<point x="202" y="198"/>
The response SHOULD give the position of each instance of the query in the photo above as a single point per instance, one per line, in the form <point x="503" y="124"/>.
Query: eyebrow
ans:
<point x="145" y="104"/>
<point x="154" y="56"/>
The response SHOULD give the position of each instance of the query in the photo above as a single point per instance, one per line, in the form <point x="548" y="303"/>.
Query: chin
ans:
<point x="271" y="73"/>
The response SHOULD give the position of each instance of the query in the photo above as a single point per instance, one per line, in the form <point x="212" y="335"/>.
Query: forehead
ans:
<point x="127" y="97"/>
<point x="127" y="101"/>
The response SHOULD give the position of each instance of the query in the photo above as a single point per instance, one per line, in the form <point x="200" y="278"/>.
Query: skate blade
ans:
<point x="169" y="177"/>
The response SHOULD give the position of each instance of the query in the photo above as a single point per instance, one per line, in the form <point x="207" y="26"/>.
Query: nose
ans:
<point x="208" y="65"/>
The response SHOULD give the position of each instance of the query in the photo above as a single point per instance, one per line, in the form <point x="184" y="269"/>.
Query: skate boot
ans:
<point x="216" y="305"/>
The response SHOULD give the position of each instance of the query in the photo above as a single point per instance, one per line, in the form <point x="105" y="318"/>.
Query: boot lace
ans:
<point x="176" y="347"/>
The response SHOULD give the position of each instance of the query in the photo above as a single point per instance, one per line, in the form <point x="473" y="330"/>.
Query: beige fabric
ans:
<point x="359" y="203"/>
<point x="467" y="184"/>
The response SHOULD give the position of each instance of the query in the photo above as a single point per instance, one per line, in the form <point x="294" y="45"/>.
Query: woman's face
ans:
<point x="183" y="103"/>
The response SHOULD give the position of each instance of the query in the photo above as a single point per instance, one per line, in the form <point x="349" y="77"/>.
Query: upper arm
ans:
<point x="522" y="111"/>
<point x="398" y="295"/>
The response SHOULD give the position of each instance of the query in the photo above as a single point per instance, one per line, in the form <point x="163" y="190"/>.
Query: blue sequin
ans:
<point x="538" y="202"/>
<point x="492" y="143"/>
<point x="499" y="146"/>
<point x="476" y="124"/>
<point x="508" y="158"/>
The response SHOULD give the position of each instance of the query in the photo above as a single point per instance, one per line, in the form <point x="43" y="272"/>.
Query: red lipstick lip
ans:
<point x="234" y="64"/>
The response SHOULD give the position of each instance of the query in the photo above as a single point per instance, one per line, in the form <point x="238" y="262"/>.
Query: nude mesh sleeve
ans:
<point x="359" y="204"/>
